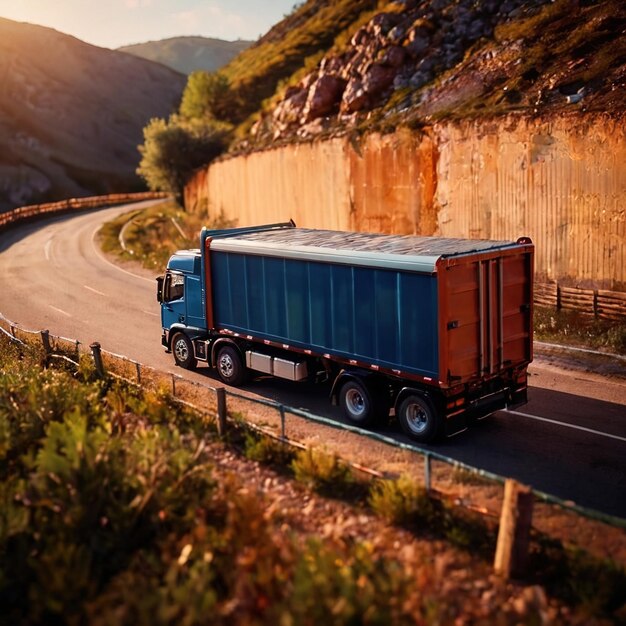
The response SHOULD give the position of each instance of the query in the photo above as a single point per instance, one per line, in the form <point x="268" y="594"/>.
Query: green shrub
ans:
<point x="267" y="450"/>
<point x="321" y="471"/>
<point x="399" y="501"/>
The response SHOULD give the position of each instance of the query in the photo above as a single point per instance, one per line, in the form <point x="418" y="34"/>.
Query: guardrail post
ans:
<point x="221" y="411"/>
<point x="138" y="367"/>
<point x="514" y="533"/>
<point x="97" y="358"/>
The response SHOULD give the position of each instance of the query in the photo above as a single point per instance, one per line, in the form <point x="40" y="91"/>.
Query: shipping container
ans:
<point x="437" y="330"/>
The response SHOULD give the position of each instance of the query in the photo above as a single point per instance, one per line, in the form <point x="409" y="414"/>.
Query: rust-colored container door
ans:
<point x="485" y="313"/>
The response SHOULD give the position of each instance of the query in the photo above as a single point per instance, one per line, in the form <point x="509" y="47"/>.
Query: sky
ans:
<point x="115" y="23"/>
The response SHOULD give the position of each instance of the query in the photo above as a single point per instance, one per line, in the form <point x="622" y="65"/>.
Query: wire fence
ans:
<point x="467" y="486"/>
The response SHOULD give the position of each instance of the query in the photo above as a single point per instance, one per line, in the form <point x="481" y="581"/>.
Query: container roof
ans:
<point x="373" y="250"/>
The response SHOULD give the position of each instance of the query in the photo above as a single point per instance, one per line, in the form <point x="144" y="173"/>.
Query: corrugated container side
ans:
<point x="374" y="316"/>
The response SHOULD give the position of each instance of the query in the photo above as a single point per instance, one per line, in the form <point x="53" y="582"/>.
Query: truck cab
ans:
<point x="180" y="293"/>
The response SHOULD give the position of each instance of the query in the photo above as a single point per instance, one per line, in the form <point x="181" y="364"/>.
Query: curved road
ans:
<point x="569" y="440"/>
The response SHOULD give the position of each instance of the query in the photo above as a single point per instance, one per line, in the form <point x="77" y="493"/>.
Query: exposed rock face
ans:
<point x="72" y="115"/>
<point x="323" y="96"/>
<point x="443" y="55"/>
<point x="558" y="180"/>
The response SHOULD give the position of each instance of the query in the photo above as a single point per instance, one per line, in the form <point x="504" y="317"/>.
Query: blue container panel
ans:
<point x="379" y="316"/>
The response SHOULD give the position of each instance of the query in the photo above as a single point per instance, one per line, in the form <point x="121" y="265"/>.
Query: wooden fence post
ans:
<point x="427" y="468"/>
<point x="97" y="359"/>
<point x="221" y="411"/>
<point x="514" y="534"/>
<point x="47" y="348"/>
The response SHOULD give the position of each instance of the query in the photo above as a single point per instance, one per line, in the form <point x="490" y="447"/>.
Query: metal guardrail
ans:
<point x="284" y="410"/>
<point x="74" y="204"/>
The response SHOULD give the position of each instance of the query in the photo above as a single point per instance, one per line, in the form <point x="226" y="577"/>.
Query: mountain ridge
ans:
<point x="72" y="114"/>
<point x="188" y="53"/>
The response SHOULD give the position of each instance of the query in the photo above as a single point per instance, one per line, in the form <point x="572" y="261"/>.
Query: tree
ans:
<point x="208" y="96"/>
<point x="173" y="149"/>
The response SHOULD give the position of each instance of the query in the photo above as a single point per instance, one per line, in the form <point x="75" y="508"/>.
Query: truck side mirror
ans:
<point x="159" y="288"/>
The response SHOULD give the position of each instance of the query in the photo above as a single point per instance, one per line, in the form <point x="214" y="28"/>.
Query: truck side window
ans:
<point x="175" y="287"/>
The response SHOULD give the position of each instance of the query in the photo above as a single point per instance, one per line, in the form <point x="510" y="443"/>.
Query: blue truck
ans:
<point x="436" y="331"/>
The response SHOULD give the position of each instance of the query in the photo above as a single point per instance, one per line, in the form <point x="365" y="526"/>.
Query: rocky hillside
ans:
<point x="188" y="54"/>
<point x="72" y="114"/>
<point x="413" y="61"/>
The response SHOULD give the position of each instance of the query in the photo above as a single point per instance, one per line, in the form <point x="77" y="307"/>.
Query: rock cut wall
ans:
<point x="561" y="181"/>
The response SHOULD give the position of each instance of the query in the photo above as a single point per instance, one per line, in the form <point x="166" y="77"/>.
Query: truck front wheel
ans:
<point x="183" y="351"/>
<point x="419" y="419"/>
<point x="230" y="367"/>
<point x="356" y="402"/>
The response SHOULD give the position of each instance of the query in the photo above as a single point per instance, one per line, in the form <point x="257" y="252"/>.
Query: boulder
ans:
<point x="360" y="38"/>
<point x="290" y="109"/>
<point x="417" y="46"/>
<point x="377" y="78"/>
<point x="382" y="23"/>
<point x="393" y="56"/>
<point x="324" y="96"/>
<point x="354" y="97"/>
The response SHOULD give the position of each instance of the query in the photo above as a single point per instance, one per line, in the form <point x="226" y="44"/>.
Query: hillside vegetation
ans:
<point x="417" y="61"/>
<point x="188" y="54"/>
<point x="72" y="114"/>
<point x="121" y="506"/>
<point x="354" y="66"/>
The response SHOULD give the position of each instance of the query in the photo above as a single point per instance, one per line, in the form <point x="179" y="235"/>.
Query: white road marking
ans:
<point x="60" y="310"/>
<point x="95" y="290"/>
<point x="151" y="313"/>
<point x="574" y="426"/>
<point x="46" y="249"/>
<point x="117" y="267"/>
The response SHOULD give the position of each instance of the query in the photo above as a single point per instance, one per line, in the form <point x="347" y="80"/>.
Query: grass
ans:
<point x="576" y="329"/>
<point x="152" y="235"/>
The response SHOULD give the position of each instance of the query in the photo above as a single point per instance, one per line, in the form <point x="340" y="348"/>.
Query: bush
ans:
<point x="267" y="450"/>
<point x="399" y="501"/>
<point x="172" y="150"/>
<point x="321" y="471"/>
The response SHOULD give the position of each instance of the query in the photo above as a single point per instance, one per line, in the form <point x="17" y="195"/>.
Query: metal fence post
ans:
<point x="97" y="358"/>
<point x="511" y="556"/>
<point x="138" y="367"/>
<point x="282" y="422"/>
<point x="221" y="411"/>
<point x="427" y="461"/>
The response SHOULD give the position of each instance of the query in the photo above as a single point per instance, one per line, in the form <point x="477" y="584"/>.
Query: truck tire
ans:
<point x="357" y="403"/>
<point x="183" y="351"/>
<point x="230" y="367"/>
<point x="419" y="419"/>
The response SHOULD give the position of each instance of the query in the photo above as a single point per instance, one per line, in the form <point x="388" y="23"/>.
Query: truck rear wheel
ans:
<point x="230" y="367"/>
<point x="357" y="403"/>
<point x="183" y="351"/>
<point x="419" y="419"/>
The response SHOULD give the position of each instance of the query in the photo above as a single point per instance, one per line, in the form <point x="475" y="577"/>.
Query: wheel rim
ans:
<point x="226" y="365"/>
<point x="416" y="418"/>
<point x="181" y="350"/>
<point x="355" y="402"/>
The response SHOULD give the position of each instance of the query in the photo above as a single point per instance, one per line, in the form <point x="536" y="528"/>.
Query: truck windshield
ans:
<point x="174" y="287"/>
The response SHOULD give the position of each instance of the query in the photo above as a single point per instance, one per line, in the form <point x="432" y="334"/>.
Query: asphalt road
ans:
<point x="569" y="440"/>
